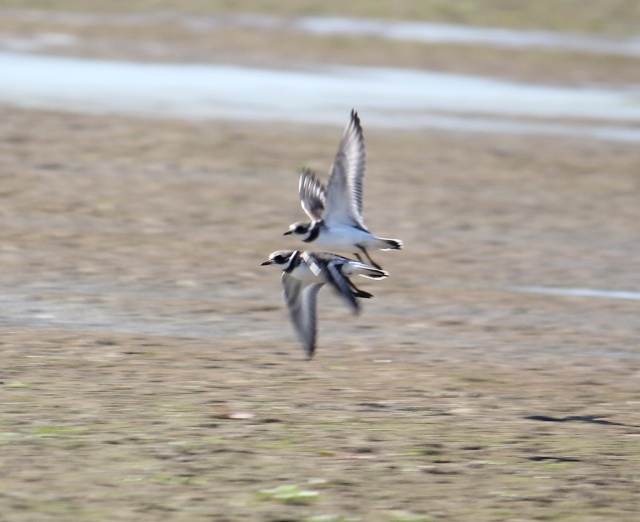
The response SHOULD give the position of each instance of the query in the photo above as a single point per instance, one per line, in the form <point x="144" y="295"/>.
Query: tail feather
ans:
<point x="357" y="268"/>
<point x="374" y="273"/>
<point x="391" y="244"/>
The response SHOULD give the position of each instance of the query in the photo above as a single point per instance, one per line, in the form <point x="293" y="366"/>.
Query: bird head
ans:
<point x="300" y="229"/>
<point x="279" y="258"/>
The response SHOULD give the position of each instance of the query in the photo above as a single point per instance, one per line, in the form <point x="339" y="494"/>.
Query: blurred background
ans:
<point x="408" y="65"/>
<point x="149" y="160"/>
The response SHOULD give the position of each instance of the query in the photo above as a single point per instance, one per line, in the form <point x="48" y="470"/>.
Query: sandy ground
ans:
<point x="137" y="325"/>
<point x="150" y="372"/>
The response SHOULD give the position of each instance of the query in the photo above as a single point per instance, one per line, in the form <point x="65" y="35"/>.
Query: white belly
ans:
<point x="341" y="238"/>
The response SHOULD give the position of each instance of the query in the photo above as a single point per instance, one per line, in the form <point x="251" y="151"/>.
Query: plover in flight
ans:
<point x="336" y="210"/>
<point x="305" y="273"/>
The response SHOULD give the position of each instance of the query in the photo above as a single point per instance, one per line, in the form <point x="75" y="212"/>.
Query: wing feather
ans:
<point x="327" y="266"/>
<point x="301" y="299"/>
<point x="341" y="285"/>
<point x="313" y="194"/>
<point x="345" y="187"/>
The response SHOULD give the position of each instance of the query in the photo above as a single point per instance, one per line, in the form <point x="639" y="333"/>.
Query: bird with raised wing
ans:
<point x="336" y="222"/>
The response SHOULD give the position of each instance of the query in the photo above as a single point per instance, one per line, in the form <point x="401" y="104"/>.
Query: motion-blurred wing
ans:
<point x="344" y="191"/>
<point x="313" y="194"/>
<point x="327" y="266"/>
<point x="301" y="300"/>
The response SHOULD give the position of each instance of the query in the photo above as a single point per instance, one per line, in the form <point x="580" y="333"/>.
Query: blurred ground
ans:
<point x="178" y="34"/>
<point x="150" y="372"/>
<point x="615" y="17"/>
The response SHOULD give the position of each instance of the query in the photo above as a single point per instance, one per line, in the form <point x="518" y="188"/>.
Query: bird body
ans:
<point x="341" y="237"/>
<point x="336" y="225"/>
<point x="336" y="209"/>
<point x="305" y="273"/>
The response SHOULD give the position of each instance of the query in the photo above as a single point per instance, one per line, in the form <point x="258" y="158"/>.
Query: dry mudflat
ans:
<point x="149" y="369"/>
<point x="150" y="373"/>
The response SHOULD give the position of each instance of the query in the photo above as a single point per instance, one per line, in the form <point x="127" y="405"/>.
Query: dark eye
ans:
<point x="300" y="229"/>
<point x="278" y="259"/>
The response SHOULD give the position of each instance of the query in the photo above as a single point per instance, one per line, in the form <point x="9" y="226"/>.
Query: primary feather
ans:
<point x="313" y="194"/>
<point x="301" y="301"/>
<point x="344" y="190"/>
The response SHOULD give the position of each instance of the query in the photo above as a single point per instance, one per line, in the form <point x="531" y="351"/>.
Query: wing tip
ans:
<point x="355" y="120"/>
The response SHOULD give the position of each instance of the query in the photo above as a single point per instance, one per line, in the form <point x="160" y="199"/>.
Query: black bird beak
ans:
<point x="268" y="262"/>
<point x="288" y="233"/>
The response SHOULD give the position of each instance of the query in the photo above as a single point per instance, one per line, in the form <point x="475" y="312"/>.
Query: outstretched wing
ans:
<point x="344" y="191"/>
<point x="301" y="300"/>
<point x="327" y="267"/>
<point x="313" y="194"/>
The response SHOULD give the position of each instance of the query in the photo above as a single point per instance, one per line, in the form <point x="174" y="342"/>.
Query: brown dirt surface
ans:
<point x="150" y="372"/>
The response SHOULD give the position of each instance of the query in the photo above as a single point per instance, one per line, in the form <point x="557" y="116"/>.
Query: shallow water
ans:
<point x="580" y="292"/>
<point x="394" y="98"/>
<point x="425" y="32"/>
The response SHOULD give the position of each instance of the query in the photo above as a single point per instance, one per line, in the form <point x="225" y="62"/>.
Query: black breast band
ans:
<point x="294" y="262"/>
<point x="315" y="231"/>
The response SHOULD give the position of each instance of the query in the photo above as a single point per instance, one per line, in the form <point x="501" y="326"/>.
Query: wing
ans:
<point x="301" y="300"/>
<point x="327" y="266"/>
<point x="313" y="195"/>
<point x="344" y="191"/>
